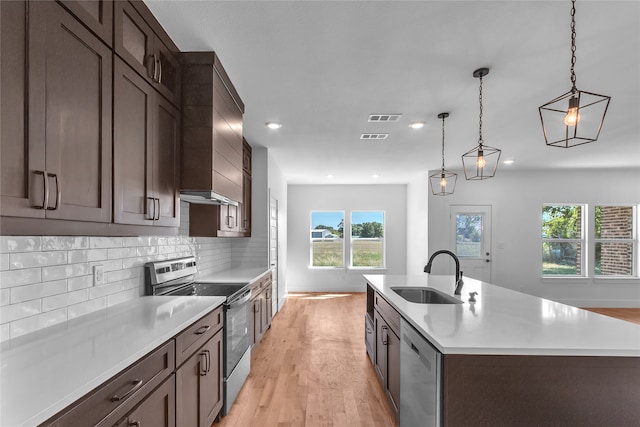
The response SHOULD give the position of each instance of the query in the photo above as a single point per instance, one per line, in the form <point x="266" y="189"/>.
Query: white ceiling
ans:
<point x="321" y="67"/>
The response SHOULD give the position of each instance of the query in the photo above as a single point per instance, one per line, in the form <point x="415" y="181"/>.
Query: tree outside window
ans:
<point x="563" y="240"/>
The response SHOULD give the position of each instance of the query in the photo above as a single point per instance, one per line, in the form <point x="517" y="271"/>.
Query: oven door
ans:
<point x="238" y="321"/>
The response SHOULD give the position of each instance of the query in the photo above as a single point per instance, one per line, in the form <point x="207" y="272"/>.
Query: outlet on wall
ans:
<point x="98" y="275"/>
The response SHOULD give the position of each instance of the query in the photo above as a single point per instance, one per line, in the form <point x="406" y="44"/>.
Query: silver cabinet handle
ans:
<point x="137" y="383"/>
<point x="135" y="423"/>
<point x="155" y="68"/>
<point x="45" y="195"/>
<point x="149" y="215"/>
<point x="204" y="363"/>
<point x="202" y="330"/>
<point x="157" y="216"/>
<point x="208" y="354"/>
<point x="160" y="70"/>
<point x="58" y="190"/>
<point x="384" y="335"/>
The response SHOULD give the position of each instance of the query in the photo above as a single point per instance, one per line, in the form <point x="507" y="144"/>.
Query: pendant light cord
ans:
<point x="480" y="141"/>
<point x="443" y="117"/>
<point x="573" y="45"/>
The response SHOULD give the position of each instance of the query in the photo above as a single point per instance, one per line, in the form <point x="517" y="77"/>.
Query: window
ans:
<point x="563" y="240"/>
<point x="367" y="239"/>
<point x="469" y="235"/>
<point x="327" y="238"/>
<point x="615" y="241"/>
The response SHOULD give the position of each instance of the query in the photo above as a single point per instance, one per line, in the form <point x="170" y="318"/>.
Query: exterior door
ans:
<point x="471" y="239"/>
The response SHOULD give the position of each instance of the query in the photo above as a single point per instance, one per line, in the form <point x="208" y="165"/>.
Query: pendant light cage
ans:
<point x="482" y="161"/>
<point x="576" y="117"/>
<point x="443" y="182"/>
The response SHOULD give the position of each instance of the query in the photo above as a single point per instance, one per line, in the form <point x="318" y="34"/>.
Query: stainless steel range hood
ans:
<point x="205" y="197"/>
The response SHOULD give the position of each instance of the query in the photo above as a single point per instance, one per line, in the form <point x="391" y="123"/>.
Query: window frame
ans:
<point x="633" y="240"/>
<point x="582" y="240"/>
<point x="344" y="219"/>
<point x="384" y="240"/>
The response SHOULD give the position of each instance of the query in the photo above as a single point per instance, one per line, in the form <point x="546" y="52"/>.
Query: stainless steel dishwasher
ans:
<point x="420" y="380"/>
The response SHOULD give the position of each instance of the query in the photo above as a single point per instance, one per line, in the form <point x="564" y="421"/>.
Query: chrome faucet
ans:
<point x="459" y="282"/>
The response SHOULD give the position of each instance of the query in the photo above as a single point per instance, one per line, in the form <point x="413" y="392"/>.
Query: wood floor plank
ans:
<point x="312" y="369"/>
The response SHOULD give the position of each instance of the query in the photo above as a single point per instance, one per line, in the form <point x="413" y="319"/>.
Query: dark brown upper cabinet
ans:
<point x="97" y="15"/>
<point x="56" y="116"/>
<point x="146" y="156"/>
<point x="140" y="42"/>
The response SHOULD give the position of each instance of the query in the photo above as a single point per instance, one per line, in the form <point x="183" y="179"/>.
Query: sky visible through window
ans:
<point x="331" y="219"/>
<point x="362" y="217"/>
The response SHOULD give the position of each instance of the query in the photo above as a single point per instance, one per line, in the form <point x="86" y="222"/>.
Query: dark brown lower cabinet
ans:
<point x="369" y="337"/>
<point x="199" y="385"/>
<point x="157" y="410"/>
<point x="261" y="305"/>
<point x="387" y="360"/>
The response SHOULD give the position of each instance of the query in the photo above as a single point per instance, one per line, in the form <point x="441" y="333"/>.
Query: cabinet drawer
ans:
<point x="390" y="315"/>
<point x="369" y="336"/>
<point x="112" y="400"/>
<point x="197" y="334"/>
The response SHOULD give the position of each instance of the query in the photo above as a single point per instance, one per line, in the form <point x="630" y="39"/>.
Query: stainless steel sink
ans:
<point x="425" y="296"/>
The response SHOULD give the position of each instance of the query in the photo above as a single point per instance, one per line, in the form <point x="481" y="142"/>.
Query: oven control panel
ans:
<point x="159" y="273"/>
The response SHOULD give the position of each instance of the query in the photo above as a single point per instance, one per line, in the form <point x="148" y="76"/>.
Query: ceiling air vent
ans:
<point x="384" y="118"/>
<point x="374" y="136"/>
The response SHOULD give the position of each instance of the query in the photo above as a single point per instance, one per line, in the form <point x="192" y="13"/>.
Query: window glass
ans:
<point x="563" y="240"/>
<point x="367" y="239"/>
<point x="469" y="235"/>
<point x="614" y="245"/>
<point x="327" y="239"/>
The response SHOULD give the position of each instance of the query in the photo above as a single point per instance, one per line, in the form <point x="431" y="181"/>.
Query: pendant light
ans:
<point x="576" y="117"/>
<point x="443" y="183"/>
<point x="480" y="162"/>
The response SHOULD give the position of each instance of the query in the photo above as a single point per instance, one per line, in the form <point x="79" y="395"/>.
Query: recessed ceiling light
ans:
<point x="416" y="125"/>
<point x="375" y="175"/>
<point x="330" y="176"/>
<point x="508" y="162"/>
<point x="273" y="125"/>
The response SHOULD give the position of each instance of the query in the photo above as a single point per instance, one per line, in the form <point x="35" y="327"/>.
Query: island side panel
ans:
<point x="483" y="390"/>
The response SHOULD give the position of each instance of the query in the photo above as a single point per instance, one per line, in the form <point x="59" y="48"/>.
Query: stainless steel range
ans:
<point x="177" y="277"/>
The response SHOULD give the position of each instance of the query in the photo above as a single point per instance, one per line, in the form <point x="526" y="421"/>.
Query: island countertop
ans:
<point x="45" y="371"/>
<point x="506" y="322"/>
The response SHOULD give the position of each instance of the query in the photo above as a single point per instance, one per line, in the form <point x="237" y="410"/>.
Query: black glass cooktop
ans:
<point x="210" y="289"/>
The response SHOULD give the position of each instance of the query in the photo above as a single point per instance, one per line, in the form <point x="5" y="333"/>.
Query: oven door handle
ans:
<point x="246" y="296"/>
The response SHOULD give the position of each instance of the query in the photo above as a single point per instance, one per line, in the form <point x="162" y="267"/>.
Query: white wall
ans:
<point x="516" y="199"/>
<point x="417" y="218"/>
<point x="278" y="190"/>
<point x="302" y="199"/>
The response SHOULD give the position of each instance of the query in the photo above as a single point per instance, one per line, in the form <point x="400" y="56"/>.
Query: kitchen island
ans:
<point x="515" y="359"/>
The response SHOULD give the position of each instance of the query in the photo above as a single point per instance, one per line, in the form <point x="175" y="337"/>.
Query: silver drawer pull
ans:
<point x="136" y="385"/>
<point x="135" y="424"/>
<point x="202" y="330"/>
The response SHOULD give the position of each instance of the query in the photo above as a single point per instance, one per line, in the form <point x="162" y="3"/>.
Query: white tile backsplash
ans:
<point x="47" y="280"/>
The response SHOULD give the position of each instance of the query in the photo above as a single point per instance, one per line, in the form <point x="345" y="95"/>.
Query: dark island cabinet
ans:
<point x="141" y="43"/>
<point x="146" y="141"/>
<point x="261" y="300"/>
<point x="56" y="116"/>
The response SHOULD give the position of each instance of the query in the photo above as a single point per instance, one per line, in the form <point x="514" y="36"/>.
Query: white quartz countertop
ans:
<point x="506" y="322"/>
<point x="43" y="372"/>
<point x="234" y="275"/>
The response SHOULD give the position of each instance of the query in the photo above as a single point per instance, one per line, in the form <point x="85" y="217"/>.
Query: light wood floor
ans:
<point x="628" y="314"/>
<point x="311" y="369"/>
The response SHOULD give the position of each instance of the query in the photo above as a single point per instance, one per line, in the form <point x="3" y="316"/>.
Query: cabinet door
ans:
<point x="257" y="319"/>
<point x="393" y="370"/>
<point x="70" y="87"/>
<point x="382" y="336"/>
<point x="133" y="130"/>
<point x="97" y="15"/>
<point x="168" y="73"/>
<point x="133" y="40"/>
<point x="267" y="309"/>
<point x="158" y="409"/>
<point x="199" y="385"/>
<point x="165" y="163"/>
<point x="211" y="386"/>
<point x="246" y="204"/>
<point x="22" y="159"/>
